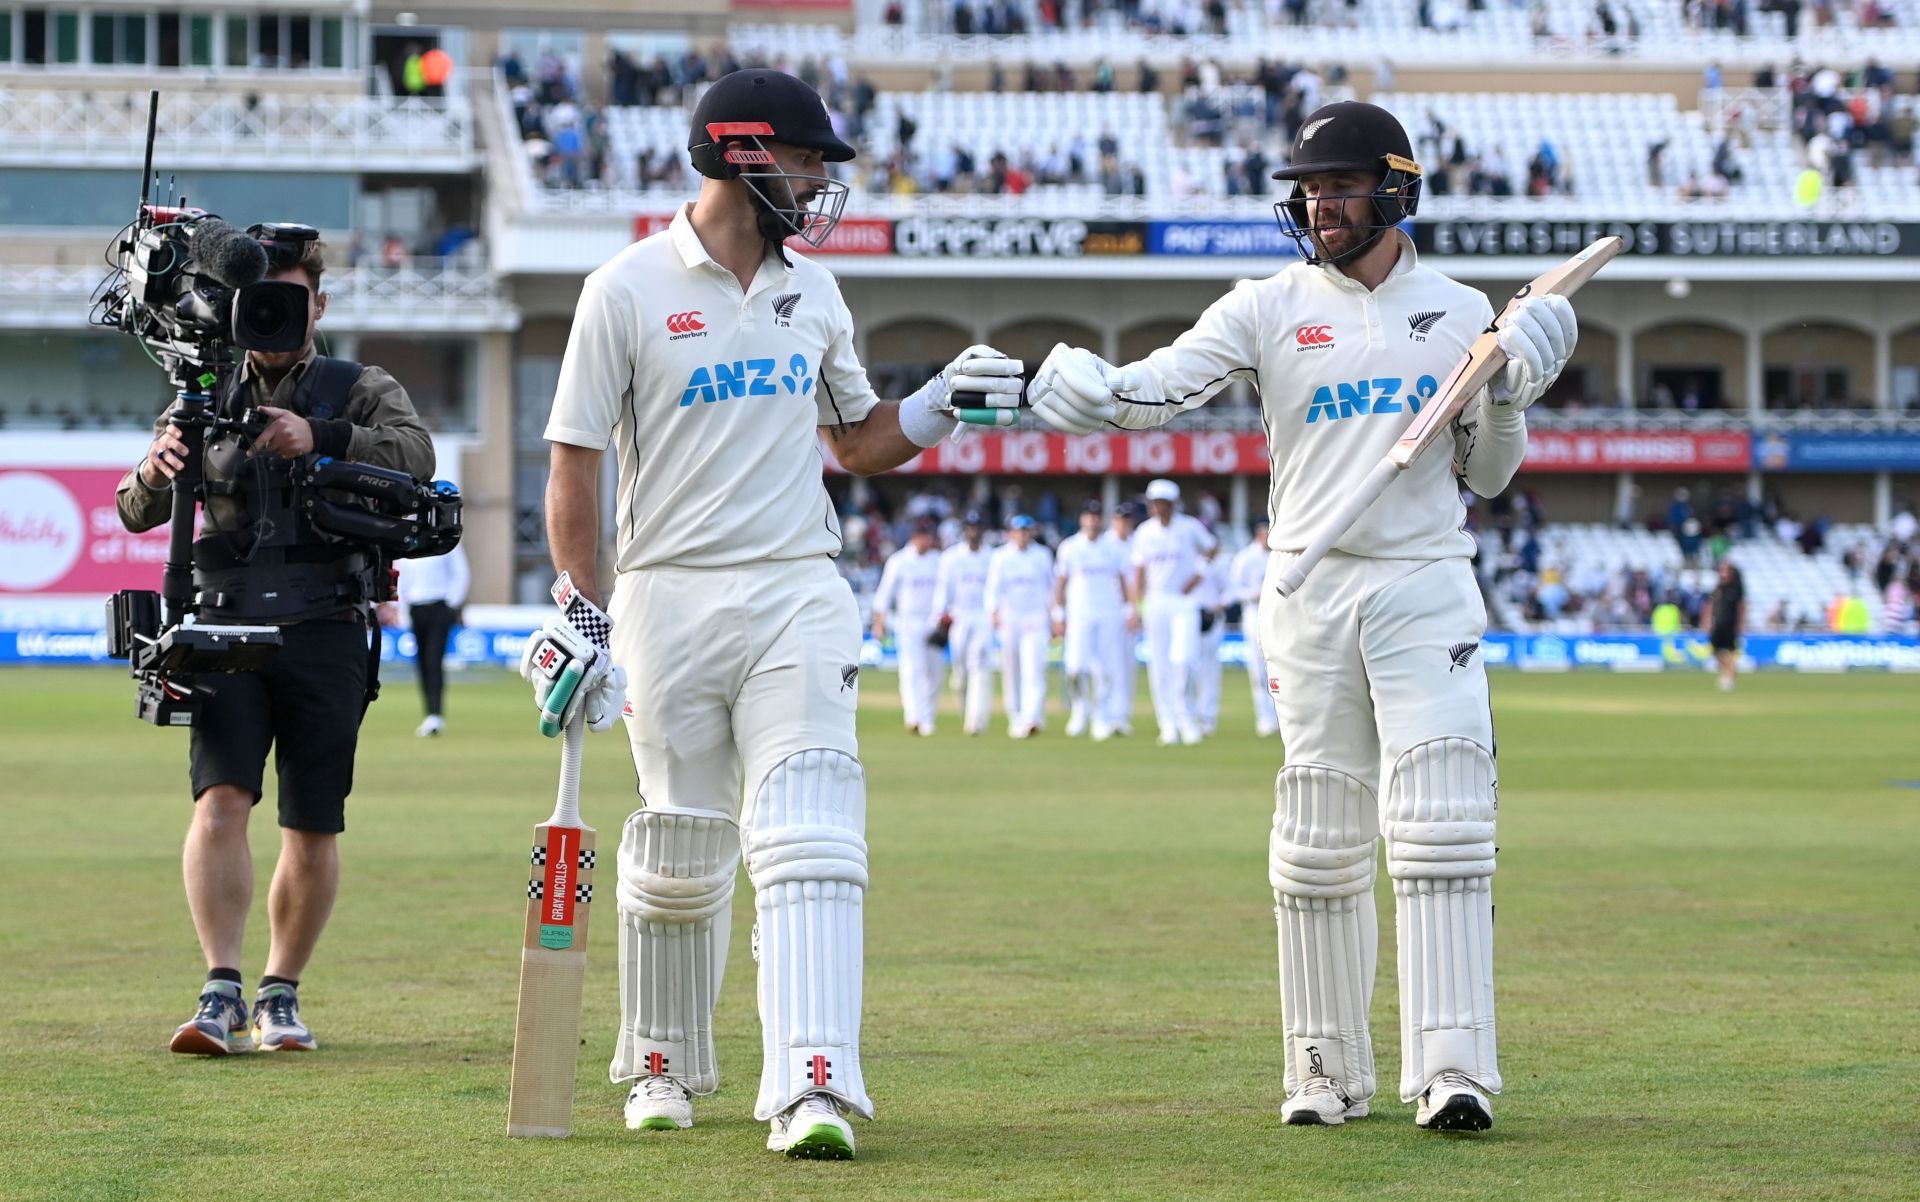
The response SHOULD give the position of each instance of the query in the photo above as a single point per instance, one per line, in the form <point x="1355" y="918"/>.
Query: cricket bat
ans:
<point x="1483" y="360"/>
<point x="553" y="962"/>
<point x="553" y="954"/>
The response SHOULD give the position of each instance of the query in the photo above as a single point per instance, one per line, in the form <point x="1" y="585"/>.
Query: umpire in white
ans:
<point x="1376" y="677"/>
<point x="714" y="356"/>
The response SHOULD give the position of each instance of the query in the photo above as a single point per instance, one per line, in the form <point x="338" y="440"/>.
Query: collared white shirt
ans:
<point x="1094" y="570"/>
<point x="1341" y="371"/>
<point x="960" y="588"/>
<point x="1248" y="573"/>
<point x="1020" y="582"/>
<point x="907" y="585"/>
<point x="1172" y="553"/>
<point x="436" y="578"/>
<point x="714" y="398"/>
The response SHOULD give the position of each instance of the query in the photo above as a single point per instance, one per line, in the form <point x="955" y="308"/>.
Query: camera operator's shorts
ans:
<point x="306" y="705"/>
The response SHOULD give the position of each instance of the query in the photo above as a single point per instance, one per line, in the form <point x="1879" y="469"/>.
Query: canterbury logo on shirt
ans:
<point x="1361" y="398"/>
<point x="1313" y="337"/>
<point x="684" y="325"/>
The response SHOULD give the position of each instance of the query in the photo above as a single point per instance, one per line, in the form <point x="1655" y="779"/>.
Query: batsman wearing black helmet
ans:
<point x="1371" y="664"/>
<point x="716" y="357"/>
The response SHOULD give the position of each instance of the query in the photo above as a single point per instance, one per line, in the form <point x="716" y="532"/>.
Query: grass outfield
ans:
<point x="1709" y="963"/>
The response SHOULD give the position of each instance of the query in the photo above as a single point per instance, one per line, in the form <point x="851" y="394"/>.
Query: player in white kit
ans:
<point x="906" y="596"/>
<point x="1204" y="681"/>
<point x="1126" y="663"/>
<point x="1373" y="659"/>
<point x="715" y="358"/>
<point x="1092" y="587"/>
<point x="1167" y="551"/>
<point x="1019" y="596"/>
<point x="1244" y="580"/>
<point x="960" y="599"/>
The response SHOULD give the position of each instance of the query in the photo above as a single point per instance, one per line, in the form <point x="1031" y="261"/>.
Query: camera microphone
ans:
<point x="227" y="255"/>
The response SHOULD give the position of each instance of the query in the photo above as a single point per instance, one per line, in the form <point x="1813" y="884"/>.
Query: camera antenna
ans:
<point x="147" y="180"/>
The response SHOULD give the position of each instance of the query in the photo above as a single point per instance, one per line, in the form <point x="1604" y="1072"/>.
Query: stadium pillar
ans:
<point x="1882" y="499"/>
<point x="1109" y="493"/>
<point x="1756" y="379"/>
<point x="1882" y="368"/>
<point x="1237" y="503"/>
<point x="1625" y="387"/>
<point x="1625" y="512"/>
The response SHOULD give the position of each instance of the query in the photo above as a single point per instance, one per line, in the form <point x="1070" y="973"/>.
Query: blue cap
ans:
<point x="1020" y="521"/>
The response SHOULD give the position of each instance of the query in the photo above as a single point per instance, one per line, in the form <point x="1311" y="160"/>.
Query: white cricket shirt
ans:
<point x="1341" y="371"/>
<point x="1020" y="583"/>
<point x="960" y="590"/>
<point x="1171" y="553"/>
<point x="714" y="398"/>
<point x="1094" y="570"/>
<point x="1249" y="573"/>
<point x="907" y="586"/>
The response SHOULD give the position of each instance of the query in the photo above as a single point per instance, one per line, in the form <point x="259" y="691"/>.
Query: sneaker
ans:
<point x="431" y="727"/>
<point x="659" y="1104"/>
<point x="218" y="1029"/>
<point x="925" y="730"/>
<point x="1019" y="731"/>
<point x="1453" y="1103"/>
<point x="1320" y="1102"/>
<point x="812" y="1129"/>
<point x="1191" y="735"/>
<point x="1076" y="723"/>
<point x="276" y="1021"/>
<point x="1102" y="732"/>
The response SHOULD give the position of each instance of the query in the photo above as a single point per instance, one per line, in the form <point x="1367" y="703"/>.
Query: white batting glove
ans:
<point x="979" y="378"/>
<point x="572" y="678"/>
<point x="1538" y="340"/>
<point x="1071" y="392"/>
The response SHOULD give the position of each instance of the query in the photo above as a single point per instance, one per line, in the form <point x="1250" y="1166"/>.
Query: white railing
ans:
<point x="288" y="131"/>
<point x="422" y="294"/>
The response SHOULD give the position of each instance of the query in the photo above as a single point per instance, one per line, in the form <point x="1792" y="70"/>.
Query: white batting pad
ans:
<point x="677" y="869"/>
<point x="1441" y="803"/>
<point x="1321" y="863"/>
<point x="807" y="857"/>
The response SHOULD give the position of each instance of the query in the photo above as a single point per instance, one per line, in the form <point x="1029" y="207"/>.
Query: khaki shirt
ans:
<point x="386" y="433"/>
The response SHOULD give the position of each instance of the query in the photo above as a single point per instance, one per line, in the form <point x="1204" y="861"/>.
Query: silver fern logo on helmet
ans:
<point x="1314" y="127"/>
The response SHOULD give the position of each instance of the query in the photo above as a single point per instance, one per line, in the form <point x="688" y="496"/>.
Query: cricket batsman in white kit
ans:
<point x="1019" y="597"/>
<point x="960" y="598"/>
<point x="1168" y="558"/>
<point x="906" y="593"/>
<point x="714" y="358"/>
<point x="1376" y="680"/>
<point x="1092" y="586"/>
<point x="1244" y="583"/>
<point x="1126" y="662"/>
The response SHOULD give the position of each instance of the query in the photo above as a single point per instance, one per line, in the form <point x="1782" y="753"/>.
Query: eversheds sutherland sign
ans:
<point x="1683" y="239"/>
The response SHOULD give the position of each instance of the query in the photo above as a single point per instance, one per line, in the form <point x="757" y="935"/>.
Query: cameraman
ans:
<point x="258" y="562"/>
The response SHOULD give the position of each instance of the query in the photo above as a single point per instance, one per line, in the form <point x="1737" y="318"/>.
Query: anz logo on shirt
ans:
<point x="1362" y="398"/>
<point x="746" y="378"/>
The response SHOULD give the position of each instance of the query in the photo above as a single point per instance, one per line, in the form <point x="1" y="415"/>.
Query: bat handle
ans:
<point x="988" y="417"/>
<point x="566" y="810"/>
<point x="1355" y="506"/>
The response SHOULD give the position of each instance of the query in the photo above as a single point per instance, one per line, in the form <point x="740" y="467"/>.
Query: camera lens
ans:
<point x="270" y="316"/>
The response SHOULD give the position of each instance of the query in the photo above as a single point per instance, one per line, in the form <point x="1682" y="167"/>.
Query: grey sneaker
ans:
<point x="276" y="1021"/>
<point x="219" y="1028"/>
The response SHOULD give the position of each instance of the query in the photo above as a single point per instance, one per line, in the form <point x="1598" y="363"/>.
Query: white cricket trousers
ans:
<point x="1023" y="668"/>
<point x="1092" y="655"/>
<point x="1265" y="721"/>
<point x="1206" y="676"/>
<point x="920" y="670"/>
<point x="1173" y="644"/>
<point x="970" y="647"/>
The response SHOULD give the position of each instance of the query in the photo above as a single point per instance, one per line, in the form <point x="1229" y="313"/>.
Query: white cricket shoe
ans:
<point x="1191" y="735"/>
<point x="1076" y="723"/>
<point x="658" y="1103"/>
<point x="1019" y="731"/>
<point x="431" y="727"/>
<point x="1453" y="1103"/>
<point x="1320" y="1102"/>
<point x="812" y="1129"/>
<point x="1101" y="731"/>
<point x="925" y="730"/>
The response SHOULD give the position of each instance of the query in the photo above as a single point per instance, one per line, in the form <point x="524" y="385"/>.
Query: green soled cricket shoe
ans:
<point x="812" y="1129"/>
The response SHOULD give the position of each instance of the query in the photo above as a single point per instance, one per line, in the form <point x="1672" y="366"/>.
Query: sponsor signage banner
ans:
<point x="1262" y="239"/>
<point x="60" y="533"/>
<point x="1832" y="451"/>
<point x="1033" y="453"/>
<point x="853" y="236"/>
<point x="1681" y="239"/>
<point x="1016" y="237"/>
<point x="1627" y="450"/>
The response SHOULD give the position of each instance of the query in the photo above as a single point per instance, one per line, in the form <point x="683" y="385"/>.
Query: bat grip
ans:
<point x="1351" y="511"/>
<point x="566" y="810"/>
<point x="988" y="417"/>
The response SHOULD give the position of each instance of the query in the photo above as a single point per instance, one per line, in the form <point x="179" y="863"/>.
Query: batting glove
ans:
<point x="1070" y="392"/>
<point x="1538" y="340"/>
<point x="978" y="378"/>
<point x="572" y="678"/>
